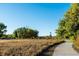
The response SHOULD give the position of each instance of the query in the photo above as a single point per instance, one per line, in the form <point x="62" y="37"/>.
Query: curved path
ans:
<point x="65" y="49"/>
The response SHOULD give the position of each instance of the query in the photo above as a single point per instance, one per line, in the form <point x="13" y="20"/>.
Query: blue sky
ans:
<point x="43" y="17"/>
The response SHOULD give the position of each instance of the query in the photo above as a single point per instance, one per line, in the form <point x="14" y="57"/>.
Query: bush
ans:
<point x="8" y="36"/>
<point x="24" y="32"/>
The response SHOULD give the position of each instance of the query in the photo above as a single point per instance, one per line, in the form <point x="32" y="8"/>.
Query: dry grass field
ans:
<point x="24" y="47"/>
<point x="76" y="44"/>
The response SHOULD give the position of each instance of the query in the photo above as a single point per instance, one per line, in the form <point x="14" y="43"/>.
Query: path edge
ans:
<point x="48" y="47"/>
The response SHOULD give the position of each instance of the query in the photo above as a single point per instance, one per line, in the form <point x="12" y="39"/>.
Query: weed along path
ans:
<point x="65" y="49"/>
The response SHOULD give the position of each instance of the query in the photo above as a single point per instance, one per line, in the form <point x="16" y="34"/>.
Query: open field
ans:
<point x="24" y="47"/>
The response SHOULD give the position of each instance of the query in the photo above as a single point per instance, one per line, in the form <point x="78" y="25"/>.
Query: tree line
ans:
<point x="69" y="25"/>
<point x="19" y="33"/>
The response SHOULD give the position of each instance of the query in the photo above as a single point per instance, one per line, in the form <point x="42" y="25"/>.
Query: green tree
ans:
<point x="2" y="29"/>
<point x="24" y="32"/>
<point x="69" y="25"/>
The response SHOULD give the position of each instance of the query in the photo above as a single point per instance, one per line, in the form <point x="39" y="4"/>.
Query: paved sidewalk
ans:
<point x="65" y="49"/>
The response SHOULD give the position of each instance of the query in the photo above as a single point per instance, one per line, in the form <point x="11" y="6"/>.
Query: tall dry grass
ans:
<point x="76" y="43"/>
<point x="24" y="47"/>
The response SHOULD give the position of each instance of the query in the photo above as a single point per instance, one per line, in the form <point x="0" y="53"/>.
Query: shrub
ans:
<point x="24" y="32"/>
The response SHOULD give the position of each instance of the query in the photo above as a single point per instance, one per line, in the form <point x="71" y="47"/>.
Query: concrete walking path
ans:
<point x="65" y="49"/>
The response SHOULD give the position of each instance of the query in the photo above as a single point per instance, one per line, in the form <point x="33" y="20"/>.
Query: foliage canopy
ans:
<point x="24" y="32"/>
<point x="2" y="29"/>
<point x="69" y="25"/>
